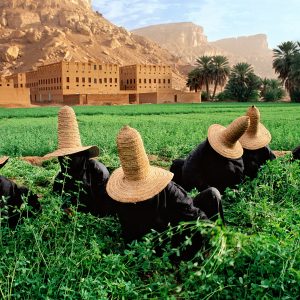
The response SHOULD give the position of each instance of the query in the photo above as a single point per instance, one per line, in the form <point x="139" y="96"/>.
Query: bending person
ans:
<point x="147" y="198"/>
<point x="216" y="162"/>
<point x="82" y="180"/>
<point x="255" y="143"/>
<point x="13" y="196"/>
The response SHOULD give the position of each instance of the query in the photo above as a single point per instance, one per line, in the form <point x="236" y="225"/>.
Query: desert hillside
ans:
<point x="34" y="32"/>
<point x="189" y="42"/>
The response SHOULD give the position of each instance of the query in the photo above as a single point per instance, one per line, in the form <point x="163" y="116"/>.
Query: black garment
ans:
<point x="296" y="152"/>
<point x="82" y="181"/>
<point x="254" y="159"/>
<point x="12" y="201"/>
<point x="204" y="168"/>
<point x="171" y="206"/>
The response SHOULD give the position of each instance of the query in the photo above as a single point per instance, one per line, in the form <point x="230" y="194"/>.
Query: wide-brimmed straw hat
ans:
<point x="135" y="180"/>
<point x="225" y="140"/>
<point x="69" y="141"/>
<point x="257" y="135"/>
<point x="3" y="160"/>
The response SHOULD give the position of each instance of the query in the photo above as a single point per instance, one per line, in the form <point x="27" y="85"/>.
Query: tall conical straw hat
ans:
<point x="257" y="135"/>
<point x="3" y="160"/>
<point x="135" y="180"/>
<point x="69" y="141"/>
<point x="225" y="140"/>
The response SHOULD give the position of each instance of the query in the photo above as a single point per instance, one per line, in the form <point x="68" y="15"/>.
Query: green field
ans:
<point x="256" y="256"/>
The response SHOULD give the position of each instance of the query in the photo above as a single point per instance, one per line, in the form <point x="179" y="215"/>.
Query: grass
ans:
<point x="256" y="256"/>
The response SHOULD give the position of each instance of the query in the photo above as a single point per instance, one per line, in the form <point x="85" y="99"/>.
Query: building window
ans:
<point x="77" y="79"/>
<point x="95" y="67"/>
<point x="68" y="79"/>
<point x="90" y="79"/>
<point x="140" y="80"/>
<point x="95" y="80"/>
<point x="159" y="81"/>
<point x="169" y="80"/>
<point x="110" y="80"/>
<point x="149" y="80"/>
<point x="164" y="80"/>
<point x="100" y="80"/>
<point x="145" y="80"/>
<point x="130" y="81"/>
<point x="83" y="79"/>
<point x="154" y="80"/>
<point x="100" y="67"/>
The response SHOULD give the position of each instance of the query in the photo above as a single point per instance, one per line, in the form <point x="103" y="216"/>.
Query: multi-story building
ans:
<point x="98" y="83"/>
<point x="146" y="78"/>
<point x="58" y="81"/>
<point x="19" y="80"/>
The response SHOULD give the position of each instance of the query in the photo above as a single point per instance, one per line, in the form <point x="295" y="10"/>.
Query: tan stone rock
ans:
<point x="33" y="36"/>
<point x="82" y="29"/>
<point x="22" y="19"/>
<point x="9" y="54"/>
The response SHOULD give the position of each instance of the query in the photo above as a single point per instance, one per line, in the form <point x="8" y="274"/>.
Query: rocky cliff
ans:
<point x="189" y="42"/>
<point x="33" y="32"/>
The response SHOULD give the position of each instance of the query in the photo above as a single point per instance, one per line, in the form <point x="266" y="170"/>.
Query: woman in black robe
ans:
<point x="147" y="199"/>
<point x="255" y="144"/>
<point x="216" y="162"/>
<point x="82" y="179"/>
<point x="12" y="197"/>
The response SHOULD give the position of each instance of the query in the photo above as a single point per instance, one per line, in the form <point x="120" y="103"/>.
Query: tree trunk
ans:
<point x="215" y="88"/>
<point x="207" y="89"/>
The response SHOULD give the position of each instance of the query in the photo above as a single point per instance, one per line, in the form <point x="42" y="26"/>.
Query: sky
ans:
<point x="278" y="19"/>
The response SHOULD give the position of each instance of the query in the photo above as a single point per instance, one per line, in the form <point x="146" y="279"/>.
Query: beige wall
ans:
<point x="96" y="99"/>
<point x="14" y="97"/>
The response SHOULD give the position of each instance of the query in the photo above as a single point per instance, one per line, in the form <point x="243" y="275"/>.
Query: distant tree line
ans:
<point x="240" y="81"/>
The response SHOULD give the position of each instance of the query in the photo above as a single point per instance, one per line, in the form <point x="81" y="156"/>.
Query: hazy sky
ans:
<point x="279" y="19"/>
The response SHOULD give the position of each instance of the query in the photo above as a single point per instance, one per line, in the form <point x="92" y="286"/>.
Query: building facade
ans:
<point x="50" y="83"/>
<point x="79" y="83"/>
<point x="146" y="78"/>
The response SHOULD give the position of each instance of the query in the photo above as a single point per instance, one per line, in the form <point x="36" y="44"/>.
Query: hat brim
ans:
<point x="215" y="139"/>
<point x="128" y="191"/>
<point x="3" y="161"/>
<point x="255" y="141"/>
<point x="92" y="150"/>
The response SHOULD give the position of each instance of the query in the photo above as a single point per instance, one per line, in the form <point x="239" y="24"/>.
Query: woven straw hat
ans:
<point x="257" y="135"/>
<point x="135" y="180"/>
<point x="225" y="140"/>
<point x="3" y="161"/>
<point x="69" y="141"/>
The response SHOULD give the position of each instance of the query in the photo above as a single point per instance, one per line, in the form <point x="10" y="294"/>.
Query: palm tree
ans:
<point x="220" y="71"/>
<point x="283" y="57"/>
<point x="195" y="80"/>
<point x="243" y="84"/>
<point x="205" y="68"/>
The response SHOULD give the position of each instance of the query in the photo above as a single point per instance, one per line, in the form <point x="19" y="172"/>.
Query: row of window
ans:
<point x="50" y="88"/>
<point x="77" y="85"/>
<point x="132" y="81"/>
<point x="50" y="81"/>
<point x="95" y="67"/>
<point x="95" y="80"/>
<point x="149" y="87"/>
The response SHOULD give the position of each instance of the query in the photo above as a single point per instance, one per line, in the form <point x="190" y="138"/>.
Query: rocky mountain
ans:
<point x="34" y="32"/>
<point x="189" y="42"/>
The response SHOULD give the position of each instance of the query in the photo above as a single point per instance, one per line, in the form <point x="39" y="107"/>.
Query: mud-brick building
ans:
<point x="11" y="96"/>
<point x="19" y="80"/>
<point x="152" y="84"/>
<point x="76" y="83"/>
